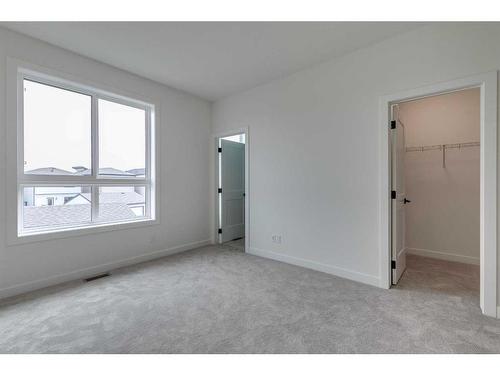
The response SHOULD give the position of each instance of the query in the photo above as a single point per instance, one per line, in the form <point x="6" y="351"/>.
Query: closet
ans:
<point x="442" y="175"/>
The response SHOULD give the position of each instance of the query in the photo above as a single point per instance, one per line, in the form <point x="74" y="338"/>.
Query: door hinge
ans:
<point x="393" y="124"/>
<point x="220" y="230"/>
<point x="393" y="194"/>
<point x="393" y="264"/>
<point x="220" y="190"/>
<point x="219" y="149"/>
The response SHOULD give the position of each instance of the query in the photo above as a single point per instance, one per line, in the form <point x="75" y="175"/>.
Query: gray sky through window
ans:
<point x="57" y="130"/>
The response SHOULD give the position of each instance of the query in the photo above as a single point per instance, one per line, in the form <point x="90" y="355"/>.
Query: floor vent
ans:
<point x="97" y="277"/>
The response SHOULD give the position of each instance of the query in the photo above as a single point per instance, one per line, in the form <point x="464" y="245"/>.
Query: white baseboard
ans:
<point x="337" y="271"/>
<point x="442" y="255"/>
<point x="92" y="271"/>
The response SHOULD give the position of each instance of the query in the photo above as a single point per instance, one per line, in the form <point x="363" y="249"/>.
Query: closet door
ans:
<point x="398" y="200"/>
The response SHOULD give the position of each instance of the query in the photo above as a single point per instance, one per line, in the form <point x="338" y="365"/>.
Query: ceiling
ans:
<point x="212" y="59"/>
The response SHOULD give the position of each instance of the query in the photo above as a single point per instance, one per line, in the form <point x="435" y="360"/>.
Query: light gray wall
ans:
<point x="442" y="219"/>
<point x="183" y="145"/>
<point x="314" y="143"/>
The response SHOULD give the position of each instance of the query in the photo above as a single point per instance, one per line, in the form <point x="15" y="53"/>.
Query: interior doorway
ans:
<point x="451" y="154"/>
<point x="232" y="190"/>
<point x="435" y="144"/>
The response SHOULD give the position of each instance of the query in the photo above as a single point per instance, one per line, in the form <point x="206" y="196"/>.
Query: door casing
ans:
<point x="398" y="207"/>
<point x="487" y="83"/>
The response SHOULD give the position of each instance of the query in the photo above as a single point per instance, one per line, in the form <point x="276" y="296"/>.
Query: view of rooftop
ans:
<point x="83" y="171"/>
<point x="54" y="206"/>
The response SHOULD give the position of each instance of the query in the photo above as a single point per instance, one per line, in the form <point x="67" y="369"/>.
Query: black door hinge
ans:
<point x="393" y="194"/>
<point x="219" y="149"/>
<point x="393" y="264"/>
<point x="393" y="124"/>
<point x="220" y="230"/>
<point x="220" y="190"/>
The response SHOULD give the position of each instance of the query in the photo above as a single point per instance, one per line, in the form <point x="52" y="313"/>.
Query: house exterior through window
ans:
<point x="85" y="156"/>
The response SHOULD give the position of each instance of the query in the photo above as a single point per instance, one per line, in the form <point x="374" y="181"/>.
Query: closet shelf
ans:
<point x="442" y="147"/>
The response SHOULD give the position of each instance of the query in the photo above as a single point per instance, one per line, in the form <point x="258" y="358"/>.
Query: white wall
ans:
<point x="314" y="143"/>
<point x="183" y="146"/>
<point x="442" y="219"/>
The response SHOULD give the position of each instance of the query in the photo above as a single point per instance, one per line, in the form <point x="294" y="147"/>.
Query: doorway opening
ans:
<point x="448" y="188"/>
<point x="232" y="190"/>
<point x="435" y="205"/>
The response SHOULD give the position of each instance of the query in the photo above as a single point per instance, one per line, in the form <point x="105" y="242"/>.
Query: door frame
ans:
<point x="393" y="141"/>
<point x="216" y="196"/>
<point x="487" y="83"/>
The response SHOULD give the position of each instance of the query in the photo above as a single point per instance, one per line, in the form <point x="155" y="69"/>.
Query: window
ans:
<point x="240" y="138"/>
<point x="122" y="137"/>
<point x="45" y="208"/>
<point x="86" y="157"/>
<point x="121" y="202"/>
<point x="57" y="129"/>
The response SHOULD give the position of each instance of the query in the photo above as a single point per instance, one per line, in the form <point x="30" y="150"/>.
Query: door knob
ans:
<point x="406" y="201"/>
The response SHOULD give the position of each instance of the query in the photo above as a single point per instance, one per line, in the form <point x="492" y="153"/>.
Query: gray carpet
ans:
<point x="219" y="300"/>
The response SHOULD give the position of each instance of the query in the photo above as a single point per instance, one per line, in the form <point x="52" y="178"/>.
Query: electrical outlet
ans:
<point x="276" y="238"/>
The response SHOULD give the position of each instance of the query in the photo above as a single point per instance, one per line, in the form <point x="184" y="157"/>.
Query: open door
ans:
<point x="398" y="195"/>
<point x="233" y="190"/>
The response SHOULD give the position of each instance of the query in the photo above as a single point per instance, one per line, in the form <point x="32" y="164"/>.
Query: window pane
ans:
<point x="121" y="203"/>
<point x="122" y="140"/>
<point x="55" y="206"/>
<point x="57" y="130"/>
<point x="240" y="138"/>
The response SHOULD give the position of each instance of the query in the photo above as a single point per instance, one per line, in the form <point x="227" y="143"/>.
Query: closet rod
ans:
<point x="441" y="147"/>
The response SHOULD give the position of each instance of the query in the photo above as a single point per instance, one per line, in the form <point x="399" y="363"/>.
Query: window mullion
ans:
<point x="95" y="137"/>
<point x="94" y="202"/>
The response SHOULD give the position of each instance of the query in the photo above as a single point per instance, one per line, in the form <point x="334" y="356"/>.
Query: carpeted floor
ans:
<point x="219" y="300"/>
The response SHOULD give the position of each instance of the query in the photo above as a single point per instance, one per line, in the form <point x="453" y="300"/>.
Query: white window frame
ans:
<point x="94" y="179"/>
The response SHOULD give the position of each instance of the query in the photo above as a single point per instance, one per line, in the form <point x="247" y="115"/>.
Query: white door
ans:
<point x="398" y="200"/>
<point x="233" y="190"/>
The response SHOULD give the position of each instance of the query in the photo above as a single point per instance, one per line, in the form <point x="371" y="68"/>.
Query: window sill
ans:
<point x="30" y="237"/>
